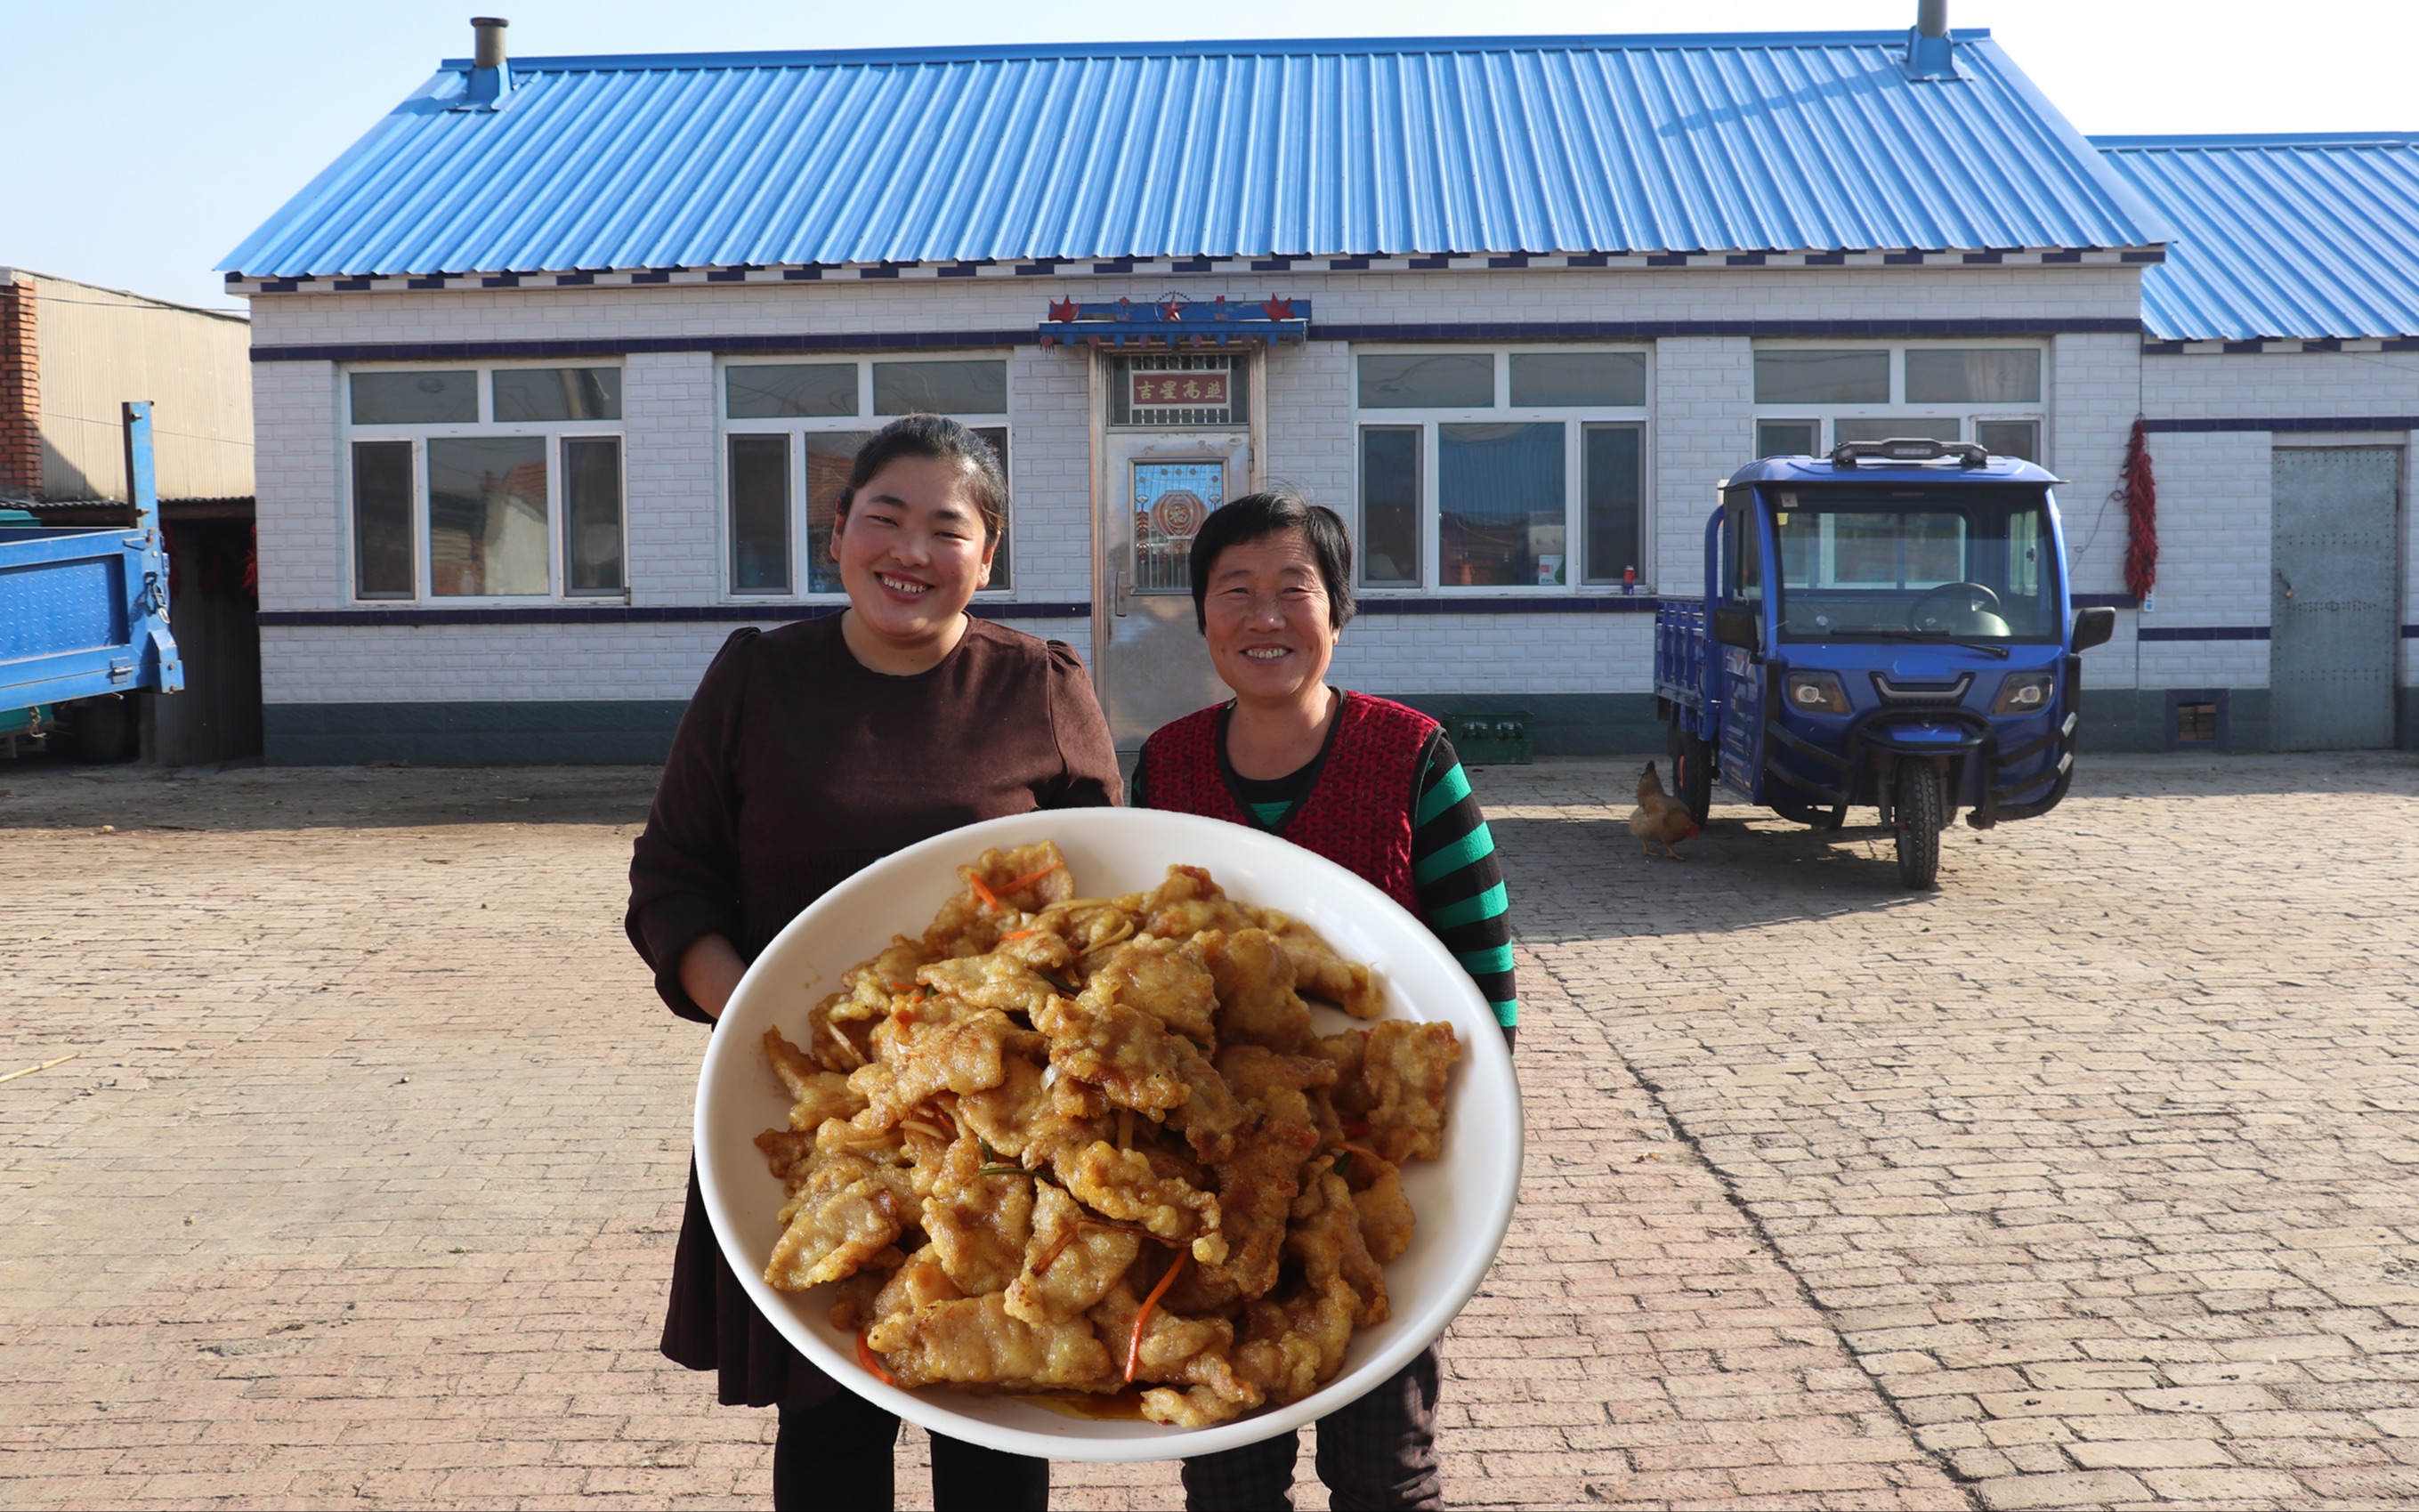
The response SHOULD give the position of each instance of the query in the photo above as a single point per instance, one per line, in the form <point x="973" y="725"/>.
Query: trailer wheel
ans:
<point x="1692" y="773"/>
<point x="104" y="730"/>
<point x="1922" y="814"/>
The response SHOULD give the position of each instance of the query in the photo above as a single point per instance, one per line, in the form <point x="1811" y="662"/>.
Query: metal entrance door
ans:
<point x="2333" y="596"/>
<point x="1163" y="468"/>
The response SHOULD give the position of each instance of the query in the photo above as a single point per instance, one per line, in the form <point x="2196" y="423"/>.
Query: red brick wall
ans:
<point x="21" y="393"/>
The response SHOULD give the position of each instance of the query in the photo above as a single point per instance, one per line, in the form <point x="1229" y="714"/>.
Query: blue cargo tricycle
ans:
<point x="1887" y="626"/>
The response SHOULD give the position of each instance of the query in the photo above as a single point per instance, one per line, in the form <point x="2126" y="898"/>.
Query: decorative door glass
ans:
<point x="1170" y="502"/>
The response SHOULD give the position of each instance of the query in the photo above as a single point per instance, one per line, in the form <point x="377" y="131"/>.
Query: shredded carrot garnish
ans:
<point x="1357" y="1149"/>
<point x="990" y="899"/>
<point x="1031" y="877"/>
<point x="1020" y="934"/>
<point x="1133" y="1350"/>
<point x="872" y="1361"/>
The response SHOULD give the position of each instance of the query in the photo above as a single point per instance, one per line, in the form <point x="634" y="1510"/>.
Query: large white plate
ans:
<point x="1464" y="1201"/>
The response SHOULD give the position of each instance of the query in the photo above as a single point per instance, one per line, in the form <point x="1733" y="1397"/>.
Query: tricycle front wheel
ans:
<point x="1922" y="812"/>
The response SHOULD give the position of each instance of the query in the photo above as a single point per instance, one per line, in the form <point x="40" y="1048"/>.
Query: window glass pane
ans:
<point x="1444" y="380"/>
<point x="970" y="388"/>
<point x="558" y="394"/>
<point x="1746" y="553"/>
<point x="487" y="515"/>
<point x="1389" y="506"/>
<point x="2024" y="554"/>
<point x="789" y="390"/>
<point x="1821" y="378"/>
<point x="382" y="566"/>
<point x="1787" y="438"/>
<point x="995" y="437"/>
<point x="1988" y="376"/>
<point x="415" y="398"/>
<point x="829" y="457"/>
<point x="591" y="515"/>
<point x="1894" y="428"/>
<point x="1614" y="456"/>
<point x="1861" y="565"/>
<point x="1548" y="378"/>
<point x="759" y="514"/>
<point x="1500" y="492"/>
<point x="2009" y="437"/>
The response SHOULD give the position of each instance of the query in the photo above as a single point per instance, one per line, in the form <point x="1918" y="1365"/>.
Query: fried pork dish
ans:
<point x="1083" y="1145"/>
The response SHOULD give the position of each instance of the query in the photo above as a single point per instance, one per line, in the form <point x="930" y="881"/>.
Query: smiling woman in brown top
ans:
<point x="808" y="752"/>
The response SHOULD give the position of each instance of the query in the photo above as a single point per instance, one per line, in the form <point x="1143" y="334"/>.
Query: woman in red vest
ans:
<point x="1374" y="787"/>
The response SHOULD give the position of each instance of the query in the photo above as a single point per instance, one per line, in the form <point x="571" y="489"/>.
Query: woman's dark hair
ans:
<point x="1255" y="516"/>
<point x="942" y="439"/>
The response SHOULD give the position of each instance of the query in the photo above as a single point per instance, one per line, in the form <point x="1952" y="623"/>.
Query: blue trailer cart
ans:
<point x="1887" y="626"/>
<point x="84" y="617"/>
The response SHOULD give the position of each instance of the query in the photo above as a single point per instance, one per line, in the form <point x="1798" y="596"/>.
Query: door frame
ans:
<point x="1108" y="545"/>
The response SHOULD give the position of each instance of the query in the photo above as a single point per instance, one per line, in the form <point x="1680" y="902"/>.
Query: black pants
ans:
<point x="837" y="1456"/>
<point x="1377" y="1455"/>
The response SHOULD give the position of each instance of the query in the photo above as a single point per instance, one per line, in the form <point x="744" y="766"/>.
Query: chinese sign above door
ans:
<point x="1177" y="390"/>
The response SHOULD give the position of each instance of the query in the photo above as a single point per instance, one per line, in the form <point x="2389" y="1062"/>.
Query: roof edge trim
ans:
<point x="2261" y="139"/>
<point x="1212" y="47"/>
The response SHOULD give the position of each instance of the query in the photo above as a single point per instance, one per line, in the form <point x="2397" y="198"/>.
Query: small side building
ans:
<point x="2280" y="394"/>
<point x="70" y="355"/>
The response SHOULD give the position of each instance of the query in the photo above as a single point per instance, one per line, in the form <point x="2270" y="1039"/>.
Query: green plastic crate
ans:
<point x="1484" y="737"/>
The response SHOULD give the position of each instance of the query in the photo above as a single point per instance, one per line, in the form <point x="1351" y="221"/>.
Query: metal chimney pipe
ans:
<point x="487" y="51"/>
<point x="1932" y="18"/>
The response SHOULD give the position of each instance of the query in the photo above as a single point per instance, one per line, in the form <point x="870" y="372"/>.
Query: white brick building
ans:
<point x="1527" y="359"/>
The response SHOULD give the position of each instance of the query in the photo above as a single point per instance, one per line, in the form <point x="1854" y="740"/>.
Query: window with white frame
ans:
<point x="1810" y="398"/>
<point x="1520" y="467"/>
<point x="485" y="481"/>
<point x="792" y="429"/>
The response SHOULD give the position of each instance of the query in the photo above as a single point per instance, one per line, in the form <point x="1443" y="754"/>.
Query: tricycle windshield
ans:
<point x="1951" y="564"/>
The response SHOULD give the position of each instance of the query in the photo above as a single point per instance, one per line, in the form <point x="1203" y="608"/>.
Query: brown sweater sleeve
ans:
<point x="684" y="865"/>
<point x="1087" y="757"/>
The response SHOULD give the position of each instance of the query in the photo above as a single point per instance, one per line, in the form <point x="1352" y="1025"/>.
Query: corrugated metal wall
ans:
<point x="97" y="349"/>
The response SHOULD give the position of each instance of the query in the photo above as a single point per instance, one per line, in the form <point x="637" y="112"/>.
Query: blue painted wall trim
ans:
<point x="639" y="731"/>
<point x="626" y="614"/>
<point x="2286" y="424"/>
<point x="960" y="340"/>
<point x="782" y="614"/>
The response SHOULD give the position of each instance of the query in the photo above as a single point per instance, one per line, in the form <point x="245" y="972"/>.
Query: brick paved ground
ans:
<point x="2079" y="1182"/>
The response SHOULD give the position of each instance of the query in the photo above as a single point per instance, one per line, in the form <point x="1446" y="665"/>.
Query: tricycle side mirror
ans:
<point x="1740" y="628"/>
<point x="2093" y="627"/>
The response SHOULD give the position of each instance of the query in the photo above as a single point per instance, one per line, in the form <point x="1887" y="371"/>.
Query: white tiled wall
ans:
<point x="1700" y="429"/>
<point x="375" y="664"/>
<point x="2214" y="487"/>
<point x="673" y="477"/>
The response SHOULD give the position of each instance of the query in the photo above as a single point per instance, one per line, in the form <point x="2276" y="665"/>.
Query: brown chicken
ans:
<point x="1660" y="819"/>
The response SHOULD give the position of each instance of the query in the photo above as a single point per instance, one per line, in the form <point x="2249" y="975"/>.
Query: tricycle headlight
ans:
<point x="1815" y="693"/>
<point x="2022" y="693"/>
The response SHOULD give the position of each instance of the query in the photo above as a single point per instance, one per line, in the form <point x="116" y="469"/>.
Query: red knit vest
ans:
<point x="1358" y="814"/>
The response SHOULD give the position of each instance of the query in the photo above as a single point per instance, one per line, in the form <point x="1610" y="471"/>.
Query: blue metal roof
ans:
<point x="1745" y="143"/>
<point x="2279" y="235"/>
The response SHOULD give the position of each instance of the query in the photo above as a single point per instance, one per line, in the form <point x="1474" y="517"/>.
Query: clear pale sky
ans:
<point x="151" y="138"/>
